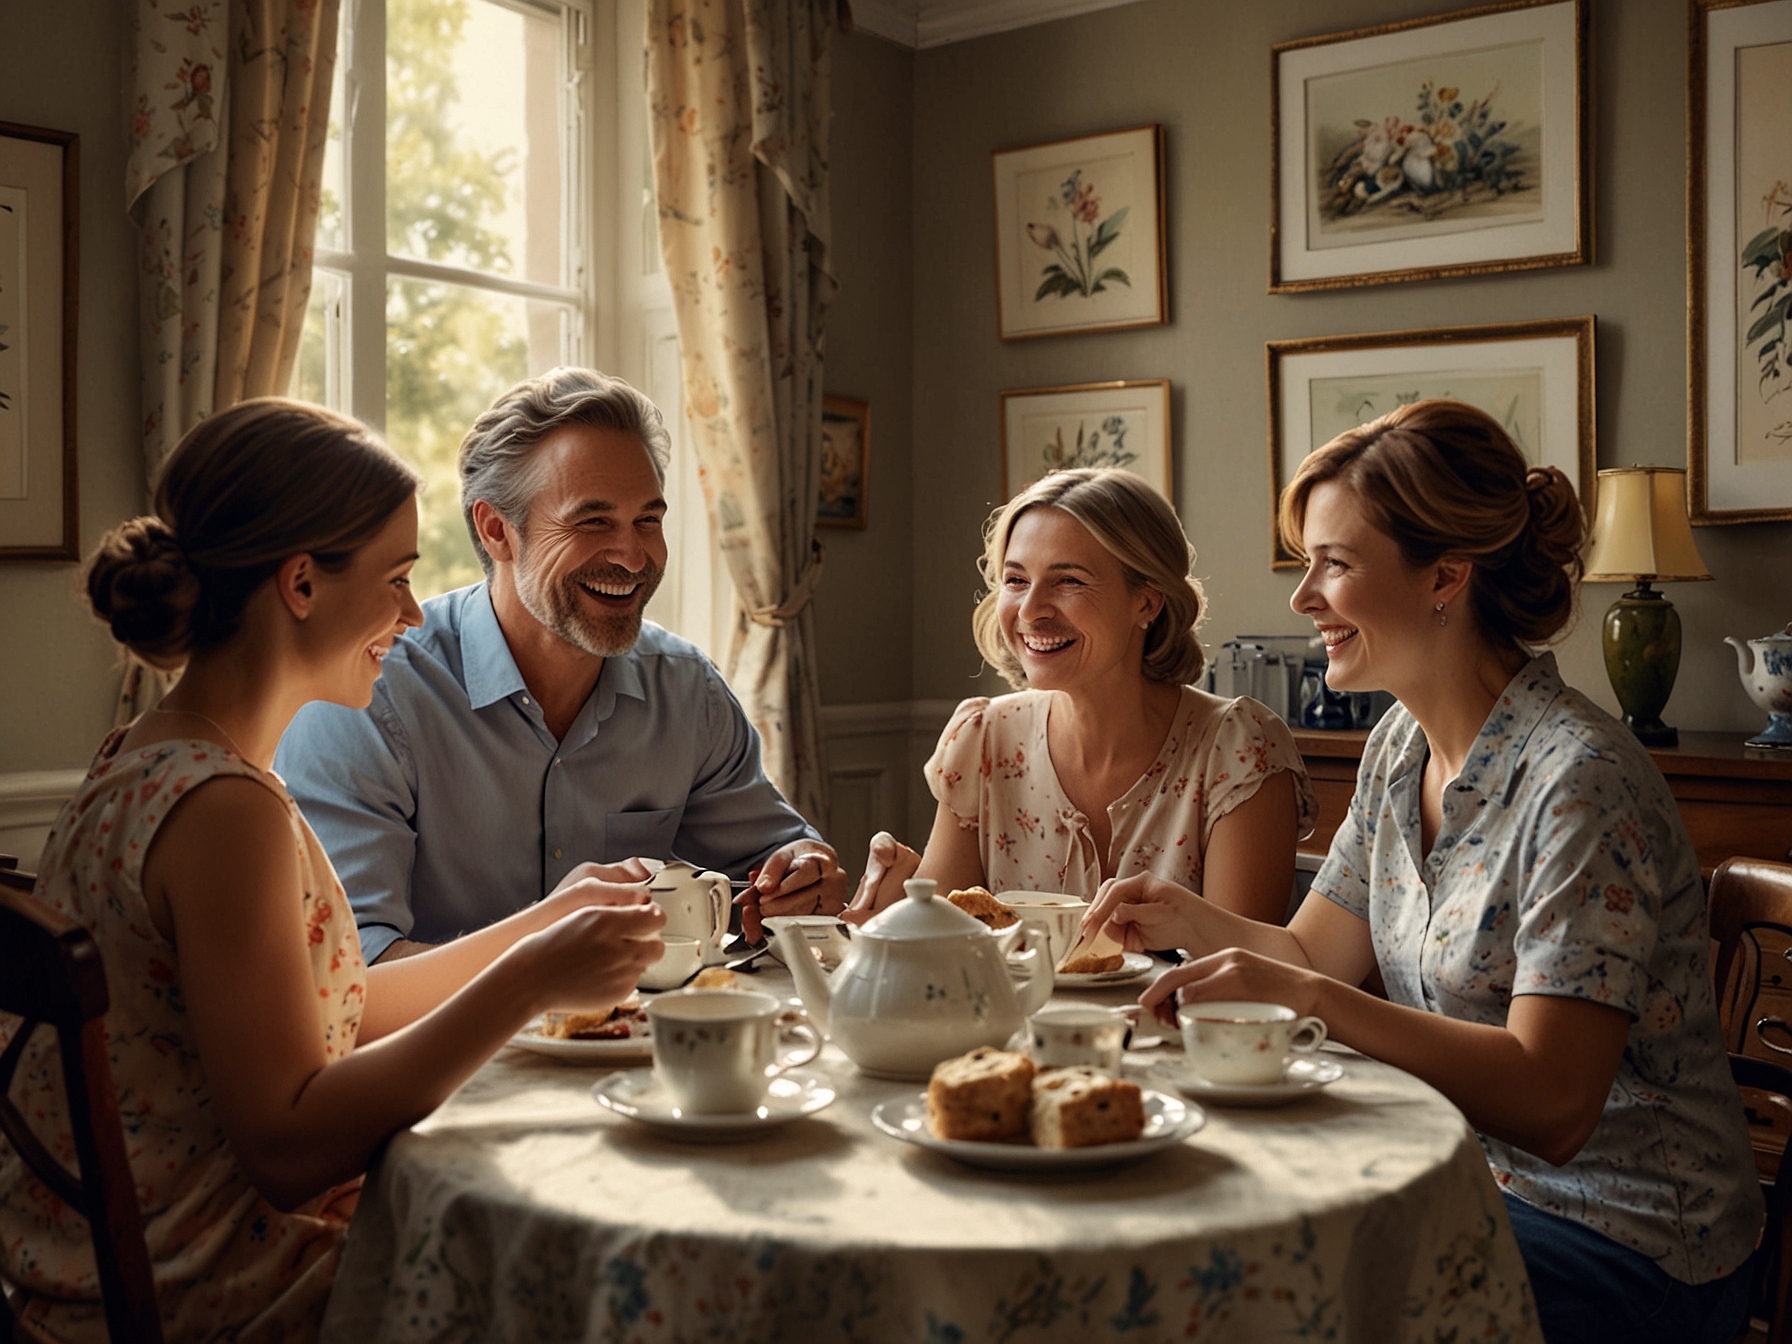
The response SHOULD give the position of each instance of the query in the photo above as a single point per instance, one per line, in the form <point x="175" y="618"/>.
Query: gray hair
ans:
<point x="495" y="456"/>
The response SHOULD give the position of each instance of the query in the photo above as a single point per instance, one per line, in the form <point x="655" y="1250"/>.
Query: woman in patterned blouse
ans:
<point x="259" y="1063"/>
<point x="1514" y="865"/>
<point x="1105" y="763"/>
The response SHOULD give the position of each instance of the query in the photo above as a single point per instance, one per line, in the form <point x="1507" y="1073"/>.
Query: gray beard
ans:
<point x="560" y="608"/>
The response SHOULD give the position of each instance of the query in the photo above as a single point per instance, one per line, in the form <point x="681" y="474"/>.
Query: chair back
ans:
<point x="51" y="975"/>
<point x="1769" y="1085"/>
<point x="1751" y="921"/>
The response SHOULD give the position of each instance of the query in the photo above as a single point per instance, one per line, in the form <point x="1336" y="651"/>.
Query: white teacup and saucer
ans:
<point x="1248" y="1054"/>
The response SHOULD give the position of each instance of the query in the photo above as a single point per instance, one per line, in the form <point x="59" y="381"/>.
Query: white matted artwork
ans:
<point x="1080" y="236"/>
<point x="1121" y="424"/>
<point x="1535" y="378"/>
<point x="1739" y="255"/>
<point x="1452" y="145"/>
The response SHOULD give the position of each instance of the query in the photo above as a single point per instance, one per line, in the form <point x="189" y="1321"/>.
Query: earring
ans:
<point x="1144" y="625"/>
<point x="1441" y="618"/>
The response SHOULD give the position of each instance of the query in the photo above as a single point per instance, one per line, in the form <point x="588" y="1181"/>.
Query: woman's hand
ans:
<point x="629" y="871"/>
<point x="1144" y="911"/>
<point x="590" y="959"/>
<point x="888" y="865"/>
<point x="599" y="884"/>
<point x="1234" y="974"/>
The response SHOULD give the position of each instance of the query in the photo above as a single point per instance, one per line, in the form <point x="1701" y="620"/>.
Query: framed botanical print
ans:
<point x="845" y="462"/>
<point x="1535" y="378"/>
<point x="1080" y="234"/>
<point x="1122" y="424"/>
<point x="39" y="229"/>
<point x="1443" y="146"/>
<point x="1739" y="262"/>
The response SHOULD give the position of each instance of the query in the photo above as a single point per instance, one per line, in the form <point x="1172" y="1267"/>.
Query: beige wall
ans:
<point x="58" y="677"/>
<point x="1201" y="67"/>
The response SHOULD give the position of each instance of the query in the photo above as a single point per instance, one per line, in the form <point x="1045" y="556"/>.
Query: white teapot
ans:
<point x="921" y="982"/>
<point x="1766" y="669"/>
<point x="696" y="906"/>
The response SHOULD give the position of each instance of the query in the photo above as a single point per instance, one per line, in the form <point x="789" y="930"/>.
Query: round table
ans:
<point x="521" y="1210"/>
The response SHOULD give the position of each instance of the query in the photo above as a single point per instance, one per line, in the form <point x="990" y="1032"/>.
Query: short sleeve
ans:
<point x="1251" y="743"/>
<point x="954" y="772"/>
<point x="1343" y="878"/>
<point x="1589" y="916"/>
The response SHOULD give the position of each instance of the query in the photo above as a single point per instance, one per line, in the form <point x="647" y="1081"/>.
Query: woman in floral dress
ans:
<point x="259" y="1063"/>
<point x="1515" y="866"/>
<point x="1105" y="762"/>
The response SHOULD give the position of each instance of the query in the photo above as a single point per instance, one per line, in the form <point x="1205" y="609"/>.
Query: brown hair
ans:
<point x="1138" y="528"/>
<point x="244" y="491"/>
<point x="1443" y="478"/>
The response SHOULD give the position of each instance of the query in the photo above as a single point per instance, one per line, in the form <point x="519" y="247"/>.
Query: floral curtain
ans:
<point x="230" y="105"/>
<point x="738" y="103"/>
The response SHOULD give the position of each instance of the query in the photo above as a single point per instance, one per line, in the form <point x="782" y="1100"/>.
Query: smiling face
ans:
<point x="360" y="610"/>
<point x="1375" y="612"/>
<point x="1065" y="607"/>
<point x="594" y="548"/>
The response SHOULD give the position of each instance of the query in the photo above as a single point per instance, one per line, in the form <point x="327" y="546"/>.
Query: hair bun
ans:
<point x="139" y="584"/>
<point x="1558" y="525"/>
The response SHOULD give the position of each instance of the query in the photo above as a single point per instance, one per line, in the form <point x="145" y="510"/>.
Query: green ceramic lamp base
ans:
<point x="1642" y="657"/>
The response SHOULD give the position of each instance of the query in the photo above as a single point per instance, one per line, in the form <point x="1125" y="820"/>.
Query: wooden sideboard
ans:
<point x="1734" y="799"/>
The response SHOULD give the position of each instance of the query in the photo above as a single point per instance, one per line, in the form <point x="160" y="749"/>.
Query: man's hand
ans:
<point x="802" y="878"/>
<point x="888" y="864"/>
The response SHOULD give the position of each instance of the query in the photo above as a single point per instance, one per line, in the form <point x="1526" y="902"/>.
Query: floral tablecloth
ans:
<point x="523" y="1211"/>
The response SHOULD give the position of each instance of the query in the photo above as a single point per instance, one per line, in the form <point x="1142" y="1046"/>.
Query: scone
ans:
<point x="984" y="1095"/>
<point x="1092" y="964"/>
<point x="1078" y="1107"/>
<point x="716" y="977"/>
<point x="979" y="904"/>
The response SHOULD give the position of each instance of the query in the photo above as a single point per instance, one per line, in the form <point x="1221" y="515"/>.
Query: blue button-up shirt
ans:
<point x="447" y="804"/>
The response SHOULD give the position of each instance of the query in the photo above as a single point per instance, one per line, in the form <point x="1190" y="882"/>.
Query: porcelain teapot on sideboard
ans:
<point x="923" y="982"/>
<point x="1765" y="665"/>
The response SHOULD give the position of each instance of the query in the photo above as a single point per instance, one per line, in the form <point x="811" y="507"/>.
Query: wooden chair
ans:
<point x="50" y="974"/>
<point x="1770" y="1301"/>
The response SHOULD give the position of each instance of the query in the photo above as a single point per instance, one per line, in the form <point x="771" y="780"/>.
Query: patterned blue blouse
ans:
<point x="1562" y="867"/>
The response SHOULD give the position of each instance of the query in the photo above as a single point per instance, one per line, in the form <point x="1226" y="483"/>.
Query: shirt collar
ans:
<point x="491" y="672"/>
<point x="1492" y="765"/>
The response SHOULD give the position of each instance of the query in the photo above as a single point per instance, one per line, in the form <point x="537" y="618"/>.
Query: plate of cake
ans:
<point x="591" y="1038"/>
<point x="1132" y="966"/>
<point x="994" y="1109"/>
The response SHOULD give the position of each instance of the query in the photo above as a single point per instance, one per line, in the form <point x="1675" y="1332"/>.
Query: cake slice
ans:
<point x="981" y="1096"/>
<point x="1079" y="1107"/>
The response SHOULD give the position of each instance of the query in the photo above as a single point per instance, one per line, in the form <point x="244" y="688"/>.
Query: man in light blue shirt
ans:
<point x="534" y="731"/>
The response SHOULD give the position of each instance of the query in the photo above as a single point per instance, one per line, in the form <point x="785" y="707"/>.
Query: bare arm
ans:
<point x="298" y="1121"/>
<point x="1249" y="865"/>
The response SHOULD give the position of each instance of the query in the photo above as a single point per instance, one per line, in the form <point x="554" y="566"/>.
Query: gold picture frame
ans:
<point x="40" y="174"/>
<point x="1738" y="234"/>
<point x="1124" y="424"/>
<point x="1492" y="174"/>
<point x="1080" y="238"/>
<point x="1535" y="377"/>
<point x="845" y="462"/>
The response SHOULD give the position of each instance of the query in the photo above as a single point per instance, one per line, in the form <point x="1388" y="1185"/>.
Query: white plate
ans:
<point x="1136" y="966"/>
<point x="637" y="1094"/>
<point x="1300" y="1078"/>
<point x="1168" y="1120"/>
<point x="584" y="1052"/>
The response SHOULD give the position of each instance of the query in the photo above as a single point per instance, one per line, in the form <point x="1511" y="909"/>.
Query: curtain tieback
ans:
<point x="802" y="592"/>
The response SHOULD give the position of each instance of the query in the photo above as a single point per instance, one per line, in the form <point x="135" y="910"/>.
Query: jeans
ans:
<point x="1589" y="1289"/>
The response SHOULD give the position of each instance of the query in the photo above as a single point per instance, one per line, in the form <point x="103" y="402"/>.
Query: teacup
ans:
<point x="683" y="959"/>
<point x="716" y="1051"/>
<point x="1248" y="1043"/>
<point x="1068" y="1034"/>
<point x="824" y="934"/>
<point x="696" y="905"/>
<point x="1059" y="915"/>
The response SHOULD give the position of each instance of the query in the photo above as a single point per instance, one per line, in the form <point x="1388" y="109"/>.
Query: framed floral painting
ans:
<point x="39" y="229"/>
<point x="1535" y="378"/>
<point x="1122" y="424"/>
<point x="1739" y="263"/>
<point x="845" y="462"/>
<point x="1080" y="234"/>
<point x="1443" y="146"/>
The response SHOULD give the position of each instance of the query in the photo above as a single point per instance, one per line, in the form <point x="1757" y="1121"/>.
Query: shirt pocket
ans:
<point x="646" y="835"/>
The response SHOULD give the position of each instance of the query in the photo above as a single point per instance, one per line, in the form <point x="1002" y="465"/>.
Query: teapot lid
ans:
<point x="920" y="915"/>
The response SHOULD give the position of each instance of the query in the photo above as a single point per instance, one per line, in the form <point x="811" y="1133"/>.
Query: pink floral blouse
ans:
<point x="993" y="770"/>
<point x="226" y="1263"/>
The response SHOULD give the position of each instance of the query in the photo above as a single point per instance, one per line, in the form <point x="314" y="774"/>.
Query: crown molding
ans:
<point x="919" y="24"/>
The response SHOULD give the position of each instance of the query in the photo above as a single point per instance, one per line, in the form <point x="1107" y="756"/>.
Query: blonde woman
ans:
<point x="1515" y="867"/>
<point x="1105" y="762"/>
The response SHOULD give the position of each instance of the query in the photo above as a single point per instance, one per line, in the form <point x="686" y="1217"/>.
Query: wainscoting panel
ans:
<point x="29" y="802"/>
<point x="875" y="755"/>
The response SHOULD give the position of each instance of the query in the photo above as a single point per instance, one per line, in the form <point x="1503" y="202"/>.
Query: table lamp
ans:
<point x="1640" y="534"/>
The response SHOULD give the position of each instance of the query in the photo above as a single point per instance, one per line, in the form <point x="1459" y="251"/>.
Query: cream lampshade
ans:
<point x="1641" y="535"/>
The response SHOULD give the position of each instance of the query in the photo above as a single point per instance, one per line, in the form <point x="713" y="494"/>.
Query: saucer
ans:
<point x="1134" y="966"/>
<point x="1167" y="1121"/>
<point x="1301" y="1077"/>
<point x="637" y="1094"/>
